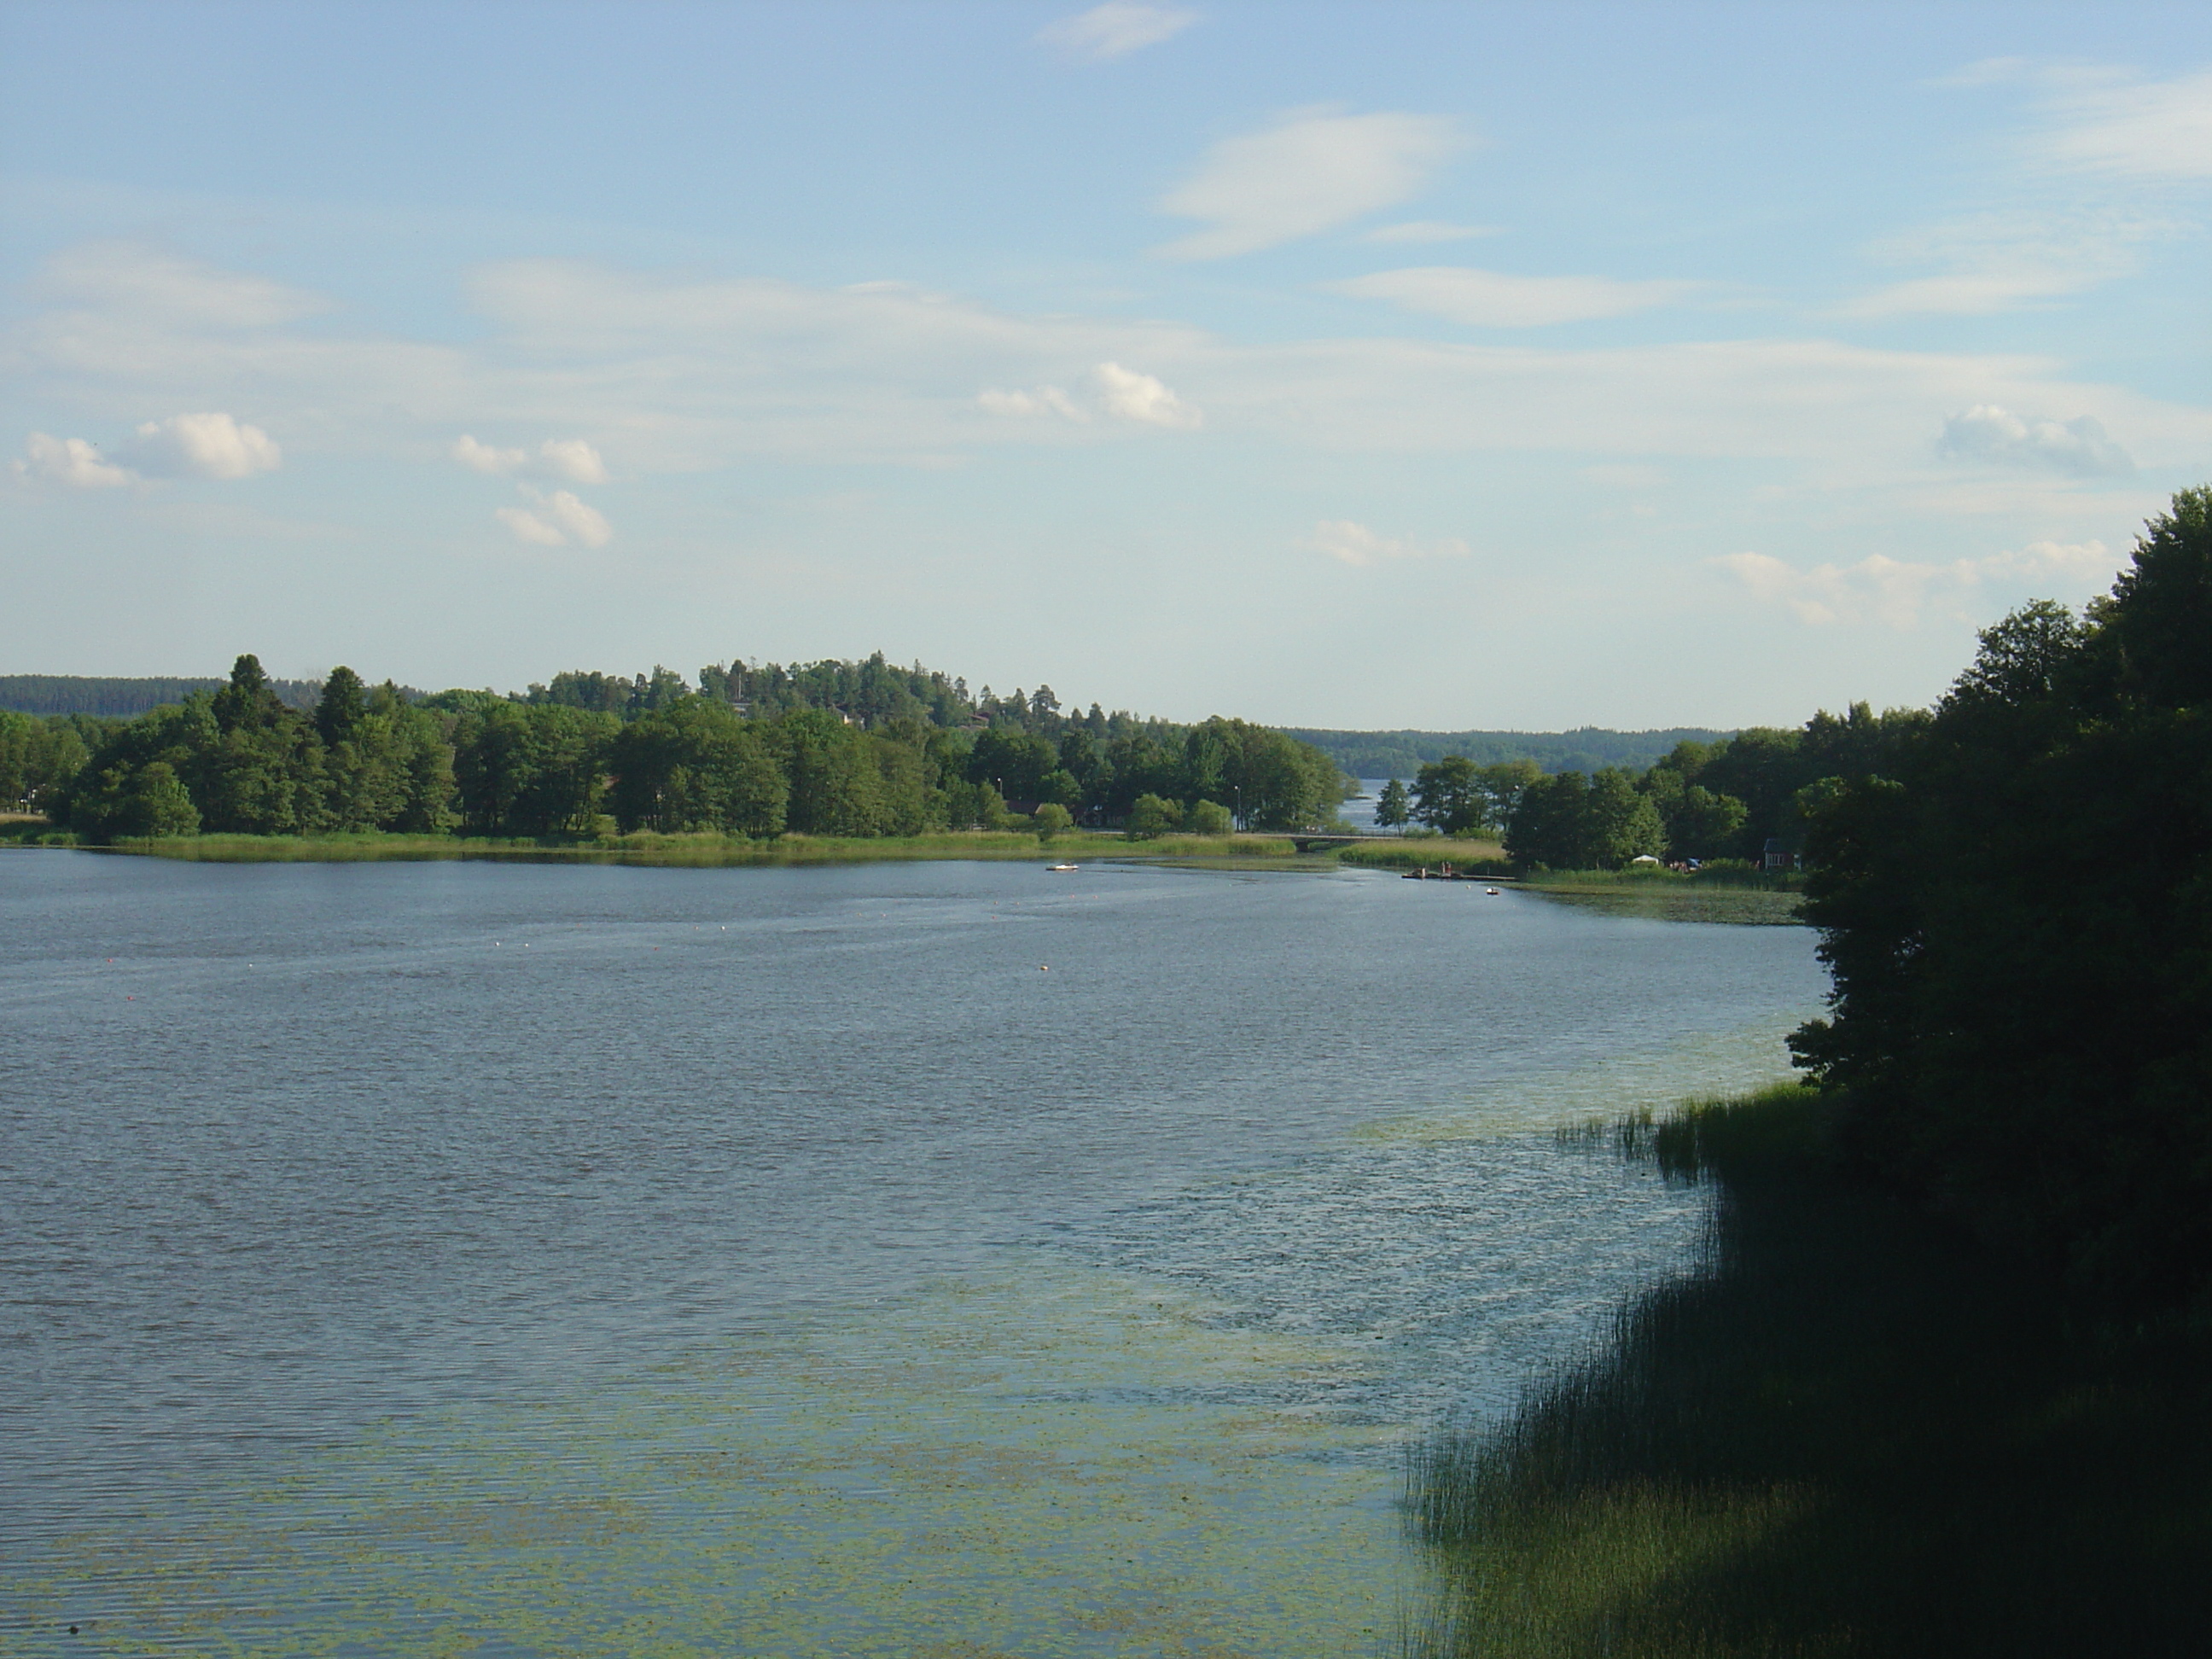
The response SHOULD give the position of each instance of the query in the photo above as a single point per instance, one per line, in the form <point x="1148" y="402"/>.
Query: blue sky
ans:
<point x="1350" y="365"/>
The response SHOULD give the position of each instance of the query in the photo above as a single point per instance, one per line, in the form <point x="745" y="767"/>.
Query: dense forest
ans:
<point x="113" y="697"/>
<point x="1587" y="749"/>
<point x="830" y="749"/>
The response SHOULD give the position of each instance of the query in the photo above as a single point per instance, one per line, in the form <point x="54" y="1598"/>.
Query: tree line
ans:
<point x="832" y="749"/>
<point x="1400" y="754"/>
<point x="2017" y="908"/>
<point x="1701" y="800"/>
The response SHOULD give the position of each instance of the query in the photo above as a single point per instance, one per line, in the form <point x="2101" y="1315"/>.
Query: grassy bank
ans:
<point x="702" y="850"/>
<point x="1849" y="1435"/>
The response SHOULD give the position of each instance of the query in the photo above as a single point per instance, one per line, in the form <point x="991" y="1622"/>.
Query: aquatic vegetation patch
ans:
<point x="1064" y="1463"/>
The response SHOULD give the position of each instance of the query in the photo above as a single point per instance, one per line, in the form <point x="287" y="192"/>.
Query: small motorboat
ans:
<point x="1063" y="866"/>
<point x="1490" y="892"/>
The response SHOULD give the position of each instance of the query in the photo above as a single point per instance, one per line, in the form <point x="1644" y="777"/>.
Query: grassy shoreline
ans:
<point x="680" y="851"/>
<point x="1848" y="1433"/>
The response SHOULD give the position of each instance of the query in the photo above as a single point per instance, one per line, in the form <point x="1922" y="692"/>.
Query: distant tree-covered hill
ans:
<point x="73" y="693"/>
<point x="1587" y="749"/>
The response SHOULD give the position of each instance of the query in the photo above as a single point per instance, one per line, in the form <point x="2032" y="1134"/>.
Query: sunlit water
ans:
<point x="919" y="1259"/>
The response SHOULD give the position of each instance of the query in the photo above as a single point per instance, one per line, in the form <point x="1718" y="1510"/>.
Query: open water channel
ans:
<point x="955" y="1260"/>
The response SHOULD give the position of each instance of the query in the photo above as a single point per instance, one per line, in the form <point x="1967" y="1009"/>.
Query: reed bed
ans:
<point x="1482" y="858"/>
<point x="1848" y="1434"/>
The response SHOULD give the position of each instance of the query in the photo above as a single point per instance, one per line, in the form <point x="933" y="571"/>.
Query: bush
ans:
<point x="1206" y="817"/>
<point x="1051" y="819"/>
<point x="1152" y="816"/>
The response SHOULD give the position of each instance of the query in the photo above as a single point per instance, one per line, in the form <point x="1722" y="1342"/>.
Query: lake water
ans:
<point x="952" y="1259"/>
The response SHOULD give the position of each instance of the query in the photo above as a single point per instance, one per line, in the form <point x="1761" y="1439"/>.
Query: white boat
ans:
<point x="1063" y="866"/>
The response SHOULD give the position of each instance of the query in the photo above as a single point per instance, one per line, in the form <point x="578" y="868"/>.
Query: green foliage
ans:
<point x="1455" y="797"/>
<point x="1207" y="817"/>
<point x="1051" y="819"/>
<point x="1152" y="816"/>
<point x="694" y="765"/>
<point x="2016" y="916"/>
<point x="839" y="750"/>
<point x="1445" y="797"/>
<point x="1571" y="822"/>
<point x="1698" y="822"/>
<point x="1393" y="809"/>
<point x="37" y="758"/>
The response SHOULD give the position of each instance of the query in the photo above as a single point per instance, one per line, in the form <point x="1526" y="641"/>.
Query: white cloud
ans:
<point x="1898" y="593"/>
<point x="1428" y="230"/>
<point x="2078" y="448"/>
<point x="211" y="445"/>
<point x="1313" y="170"/>
<point x="1487" y="298"/>
<point x="71" y="461"/>
<point x="1135" y="396"/>
<point x="1044" y="400"/>
<point x="699" y="374"/>
<point x="1117" y="29"/>
<point x="484" y="457"/>
<point x="1492" y="300"/>
<point x="2142" y="129"/>
<point x="574" y="459"/>
<point x="529" y="527"/>
<point x="558" y="517"/>
<point x="1357" y="545"/>
<point x="557" y="458"/>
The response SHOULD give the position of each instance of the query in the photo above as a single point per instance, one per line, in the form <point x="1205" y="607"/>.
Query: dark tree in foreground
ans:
<point x="2019" y="921"/>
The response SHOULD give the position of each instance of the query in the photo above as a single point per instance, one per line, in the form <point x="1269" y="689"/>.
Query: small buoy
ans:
<point x="1043" y="968"/>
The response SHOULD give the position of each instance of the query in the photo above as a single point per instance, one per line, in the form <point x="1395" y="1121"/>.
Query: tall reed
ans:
<point x="1847" y="1433"/>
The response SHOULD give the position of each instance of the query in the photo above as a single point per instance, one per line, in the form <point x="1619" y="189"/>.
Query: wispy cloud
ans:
<point x="1313" y="170"/>
<point x="1490" y="298"/>
<point x="154" y="283"/>
<point x="1428" y="230"/>
<point x="2150" y="130"/>
<point x="1355" y="544"/>
<point x="1995" y="262"/>
<point x="1900" y="593"/>
<point x="1032" y="404"/>
<point x="557" y="458"/>
<point x="2078" y="448"/>
<point x="1115" y="29"/>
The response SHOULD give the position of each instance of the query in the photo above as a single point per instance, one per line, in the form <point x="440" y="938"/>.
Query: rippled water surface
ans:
<point x="931" y="1258"/>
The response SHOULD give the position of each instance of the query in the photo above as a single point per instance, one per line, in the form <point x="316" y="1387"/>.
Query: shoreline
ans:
<point x="1725" y="901"/>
